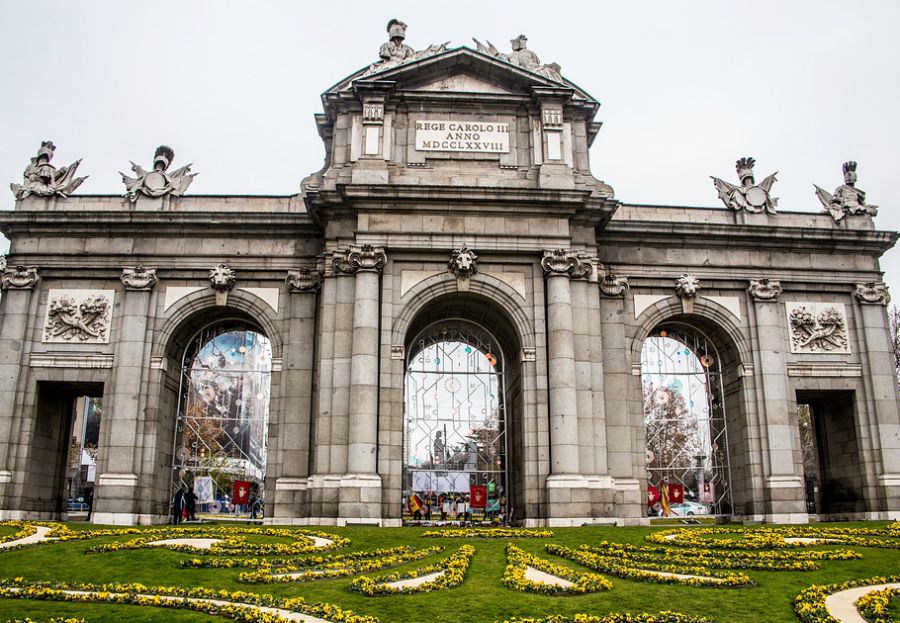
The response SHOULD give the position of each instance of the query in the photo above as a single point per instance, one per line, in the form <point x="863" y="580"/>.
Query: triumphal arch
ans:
<point x="453" y="319"/>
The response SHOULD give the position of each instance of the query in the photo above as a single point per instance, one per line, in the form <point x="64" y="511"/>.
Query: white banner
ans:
<point x="440" y="482"/>
<point x="203" y="489"/>
<point x="473" y="136"/>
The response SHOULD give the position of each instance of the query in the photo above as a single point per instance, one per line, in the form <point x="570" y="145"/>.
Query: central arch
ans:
<point x="462" y="412"/>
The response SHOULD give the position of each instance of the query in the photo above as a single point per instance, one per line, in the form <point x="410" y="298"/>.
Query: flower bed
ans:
<point x="453" y="572"/>
<point x="874" y="606"/>
<point x="774" y="537"/>
<point x="652" y="571"/>
<point x="233" y="541"/>
<point x="338" y="566"/>
<point x="519" y="560"/>
<point x="488" y="533"/>
<point x="759" y="560"/>
<point x="242" y="606"/>
<point x="616" y="617"/>
<point x="810" y="603"/>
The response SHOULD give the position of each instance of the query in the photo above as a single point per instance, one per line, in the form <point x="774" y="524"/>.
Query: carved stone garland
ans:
<point x="765" y="289"/>
<point x="78" y="316"/>
<point x="463" y="264"/>
<point x="872" y="293"/>
<point x="822" y="332"/>
<point x="222" y="279"/>
<point x="139" y="278"/>
<point x="19" y="278"/>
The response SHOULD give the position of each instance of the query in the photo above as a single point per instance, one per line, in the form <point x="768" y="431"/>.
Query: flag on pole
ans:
<point x="414" y="503"/>
<point x="664" y="498"/>
<point x="241" y="492"/>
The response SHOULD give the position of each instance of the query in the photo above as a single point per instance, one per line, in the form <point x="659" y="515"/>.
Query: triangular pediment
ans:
<point x="460" y="70"/>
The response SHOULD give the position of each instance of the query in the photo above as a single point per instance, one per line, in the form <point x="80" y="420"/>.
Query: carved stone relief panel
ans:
<point x="817" y="328"/>
<point x="78" y="316"/>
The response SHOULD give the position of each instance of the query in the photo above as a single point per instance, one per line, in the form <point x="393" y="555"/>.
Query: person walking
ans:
<point x="178" y="501"/>
<point x="190" y="499"/>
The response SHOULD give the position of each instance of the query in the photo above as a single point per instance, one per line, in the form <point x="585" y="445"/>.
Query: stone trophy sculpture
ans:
<point x="522" y="57"/>
<point x="395" y="52"/>
<point x="42" y="179"/>
<point x="159" y="181"/>
<point x="847" y="198"/>
<point x="749" y="196"/>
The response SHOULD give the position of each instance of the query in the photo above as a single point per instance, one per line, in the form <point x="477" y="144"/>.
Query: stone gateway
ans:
<point x="453" y="319"/>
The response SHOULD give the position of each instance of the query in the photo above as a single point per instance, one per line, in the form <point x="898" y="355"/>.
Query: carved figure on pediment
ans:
<point x="68" y="320"/>
<point x="19" y="278"/>
<point x="159" y="181"/>
<point x="44" y="180"/>
<point x="522" y="57"/>
<point x="463" y="262"/>
<point x="138" y="278"/>
<point x="749" y="196"/>
<point x="847" y="198"/>
<point x="395" y="52"/>
<point x="818" y="333"/>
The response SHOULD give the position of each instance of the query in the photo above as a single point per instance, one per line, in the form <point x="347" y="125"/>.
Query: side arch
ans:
<point x="193" y="308"/>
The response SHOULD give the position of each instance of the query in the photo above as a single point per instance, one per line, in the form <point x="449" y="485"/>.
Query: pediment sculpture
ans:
<point x="847" y="199"/>
<point x="522" y="57"/>
<point x="749" y="195"/>
<point x="395" y="52"/>
<point x="159" y="181"/>
<point x="42" y="179"/>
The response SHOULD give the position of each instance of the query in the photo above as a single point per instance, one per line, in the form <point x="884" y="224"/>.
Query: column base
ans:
<point x="323" y="492"/>
<point x="116" y="499"/>
<point x="360" y="499"/>
<point x="128" y="519"/>
<point x="785" y="500"/>
<point x="630" y="502"/>
<point x="603" y="497"/>
<point x="569" y="499"/>
<point x="291" y="499"/>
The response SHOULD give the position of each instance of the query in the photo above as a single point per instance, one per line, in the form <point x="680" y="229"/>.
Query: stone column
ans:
<point x="884" y="424"/>
<point x="17" y="285"/>
<point x="115" y="495"/>
<point x="360" y="495"/>
<point x="289" y="446"/>
<point x="785" y="497"/>
<point x="567" y="489"/>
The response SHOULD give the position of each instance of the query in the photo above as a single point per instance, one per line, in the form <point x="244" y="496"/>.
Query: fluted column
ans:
<point x="568" y="496"/>
<point x="360" y="496"/>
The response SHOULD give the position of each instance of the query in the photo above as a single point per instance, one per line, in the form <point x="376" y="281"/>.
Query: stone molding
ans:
<point x="97" y="361"/>
<point x="614" y="286"/>
<point x="139" y="278"/>
<point x="810" y="369"/>
<point x="398" y="351"/>
<point x="303" y="280"/>
<point x="359" y="258"/>
<point x="19" y="278"/>
<point x="565" y="263"/>
<point x="765" y="290"/>
<point x="872" y="293"/>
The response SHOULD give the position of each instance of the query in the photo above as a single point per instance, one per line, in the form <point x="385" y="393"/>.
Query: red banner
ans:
<point x="478" y="496"/>
<point x="676" y="494"/>
<point x="652" y="495"/>
<point x="241" y="492"/>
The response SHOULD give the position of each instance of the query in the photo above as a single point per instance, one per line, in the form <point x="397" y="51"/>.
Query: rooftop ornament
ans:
<point x="749" y="196"/>
<point x="522" y="57"/>
<point x="847" y="199"/>
<point x="42" y="179"/>
<point x="159" y="181"/>
<point x="394" y="52"/>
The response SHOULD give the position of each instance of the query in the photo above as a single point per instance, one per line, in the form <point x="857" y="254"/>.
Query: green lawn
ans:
<point x="481" y="598"/>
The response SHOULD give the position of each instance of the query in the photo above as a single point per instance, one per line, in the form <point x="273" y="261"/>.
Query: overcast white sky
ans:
<point x="687" y="87"/>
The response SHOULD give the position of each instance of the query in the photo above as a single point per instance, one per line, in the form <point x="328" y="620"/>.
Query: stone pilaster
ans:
<point x="567" y="488"/>
<point x="17" y="293"/>
<point x="884" y="426"/>
<point x="116" y="491"/>
<point x="785" y="498"/>
<point x="360" y="494"/>
<point x="289" y="449"/>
